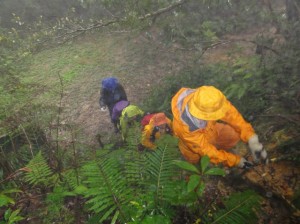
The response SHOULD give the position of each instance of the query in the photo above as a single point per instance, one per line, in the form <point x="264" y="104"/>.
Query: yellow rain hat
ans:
<point x="208" y="103"/>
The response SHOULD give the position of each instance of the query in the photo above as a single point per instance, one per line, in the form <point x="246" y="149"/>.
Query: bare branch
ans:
<point x="163" y="10"/>
<point x="101" y="24"/>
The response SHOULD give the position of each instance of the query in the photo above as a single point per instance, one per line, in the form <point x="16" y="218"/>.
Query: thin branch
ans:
<point x="264" y="46"/>
<point x="163" y="10"/>
<point x="101" y="24"/>
<point x="214" y="45"/>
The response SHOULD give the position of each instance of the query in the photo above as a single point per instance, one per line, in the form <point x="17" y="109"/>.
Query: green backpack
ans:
<point x="129" y="114"/>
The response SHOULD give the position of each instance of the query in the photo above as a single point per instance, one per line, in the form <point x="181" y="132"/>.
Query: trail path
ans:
<point x="138" y="62"/>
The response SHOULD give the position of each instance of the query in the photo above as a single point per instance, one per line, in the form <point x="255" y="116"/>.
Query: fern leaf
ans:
<point x="239" y="208"/>
<point x="39" y="171"/>
<point x="161" y="168"/>
<point x="108" y="191"/>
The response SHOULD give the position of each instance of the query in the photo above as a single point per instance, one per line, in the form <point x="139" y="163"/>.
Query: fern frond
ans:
<point x="39" y="173"/>
<point x="133" y="136"/>
<point x="72" y="179"/>
<point x="134" y="169"/>
<point x="161" y="169"/>
<point x="239" y="208"/>
<point x="108" y="191"/>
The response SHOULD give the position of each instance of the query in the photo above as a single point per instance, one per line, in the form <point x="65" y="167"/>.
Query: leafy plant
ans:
<point x="131" y="185"/>
<point x="11" y="217"/>
<point x="39" y="172"/>
<point x="195" y="181"/>
<point x="56" y="208"/>
<point x="5" y="200"/>
<point x="162" y="173"/>
<point x="240" y="207"/>
<point x="108" y="193"/>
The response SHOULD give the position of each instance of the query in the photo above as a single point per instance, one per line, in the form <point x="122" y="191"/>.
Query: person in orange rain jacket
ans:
<point x="157" y="125"/>
<point x="206" y="123"/>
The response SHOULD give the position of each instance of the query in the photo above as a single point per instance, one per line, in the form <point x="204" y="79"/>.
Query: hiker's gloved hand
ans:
<point x="103" y="108"/>
<point x="257" y="150"/>
<point x="245" y="164"/>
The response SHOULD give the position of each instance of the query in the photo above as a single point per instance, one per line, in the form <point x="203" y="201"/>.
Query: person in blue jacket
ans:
<point x="111" y="93"/>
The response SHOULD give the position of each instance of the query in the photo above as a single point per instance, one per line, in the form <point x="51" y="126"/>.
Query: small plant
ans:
<point x="6" y="200"/>
<point x="241" y="207"/>
<point x="10" y="216"/>
<point x="195" y="180"/>
<point x="39" y="172"/>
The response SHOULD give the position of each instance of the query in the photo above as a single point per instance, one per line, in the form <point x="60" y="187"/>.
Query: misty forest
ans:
<point x="61" y="158"/>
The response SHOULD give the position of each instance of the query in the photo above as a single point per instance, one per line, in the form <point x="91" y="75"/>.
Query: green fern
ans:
<point x="161" y="169"/>
<point x="130" y="185"/>
<point x="157" y="182"/>
<point x="39" y="173"/>
<point x="133" y="136"/>
<point x="108" y="191"/>
<point x="133" y="168"/>
<point x="133" y="161"/>
<point x="72" y="178"/>
<point x="239" y="208"/>
<point x="56" y="208"/>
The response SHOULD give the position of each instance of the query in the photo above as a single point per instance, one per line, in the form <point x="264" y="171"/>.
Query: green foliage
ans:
<point x="55" y="201"/>
<point x="133" y="167"/>
<point x="201" y="22"/>
<point x="161" y="170"/>
<point x="132" y="135"/>
<point x="239" y="208"/>
<point x="5" y="200"/>
<point x="196" y="182"/>
<point x="132" y="185"/>
<point x="39" y="172"/>
<point x="108" y="191"/>
<point x="11" y="217"/>
<point x="247" y="85"/>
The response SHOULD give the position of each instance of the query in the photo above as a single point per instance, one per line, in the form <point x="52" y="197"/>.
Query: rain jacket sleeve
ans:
<point x="199" y="144"/>
<point x="236" y="121"/>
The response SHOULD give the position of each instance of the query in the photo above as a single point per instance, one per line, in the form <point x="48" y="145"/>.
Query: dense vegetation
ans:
<point x="48" y="175"/>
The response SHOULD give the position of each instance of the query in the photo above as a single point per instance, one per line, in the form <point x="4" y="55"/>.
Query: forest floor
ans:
<point x="140" y="62"/>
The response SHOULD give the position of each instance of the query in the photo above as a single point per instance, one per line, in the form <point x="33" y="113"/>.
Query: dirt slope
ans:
<point x="137" y="61"/>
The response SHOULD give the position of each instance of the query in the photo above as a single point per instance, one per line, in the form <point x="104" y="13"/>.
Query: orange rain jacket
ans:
<point x="194" y="144"/>
<point x="147" y="132"/>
